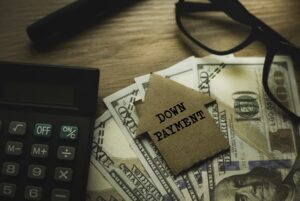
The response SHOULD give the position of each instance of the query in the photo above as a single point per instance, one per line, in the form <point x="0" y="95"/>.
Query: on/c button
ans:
<point x="68" y="132"/>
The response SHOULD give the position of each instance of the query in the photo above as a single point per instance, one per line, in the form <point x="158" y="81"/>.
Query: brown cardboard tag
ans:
<point x="179" y="124"/>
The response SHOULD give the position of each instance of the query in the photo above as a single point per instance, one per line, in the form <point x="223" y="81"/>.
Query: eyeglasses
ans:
<point x="237" y="28"/>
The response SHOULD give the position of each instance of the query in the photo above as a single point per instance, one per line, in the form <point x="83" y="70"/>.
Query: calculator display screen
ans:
<point x="38" y="93"/>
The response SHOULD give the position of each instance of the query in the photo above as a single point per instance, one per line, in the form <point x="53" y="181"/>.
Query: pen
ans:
<point x="71" y="18"/>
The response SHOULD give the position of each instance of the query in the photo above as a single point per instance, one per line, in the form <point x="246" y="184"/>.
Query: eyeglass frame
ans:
<point x="261" y="32"/>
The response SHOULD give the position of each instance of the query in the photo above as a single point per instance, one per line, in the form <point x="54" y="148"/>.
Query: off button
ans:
<point x="43" y="130"/>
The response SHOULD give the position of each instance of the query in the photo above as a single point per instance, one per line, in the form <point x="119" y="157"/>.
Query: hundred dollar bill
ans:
<point x="241" y="92"/>
<point x="113" y="157"/>
<point x="181" y="71"/>
<point x="246" y="110"/>
<point x="99" y="189"/>
<point x="121" y="106"/>
<point x="241" y="157"/>
<point x="257" y="184"/>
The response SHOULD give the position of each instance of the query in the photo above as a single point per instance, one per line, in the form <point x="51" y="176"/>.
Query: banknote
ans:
<point x="113" y="158"/>
<point x="99" y="189"/>
<point x="245" y="109"/>
<point x="243" y="88"/>
<point x="121" y="106"/>
<point x="182" y="71"/>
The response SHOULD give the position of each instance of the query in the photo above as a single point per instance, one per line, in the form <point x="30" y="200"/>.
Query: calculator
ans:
<point x="46" y="126"/>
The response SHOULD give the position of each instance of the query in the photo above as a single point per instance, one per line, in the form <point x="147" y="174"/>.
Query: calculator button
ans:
<point x="60" y="195"/>
<point x="7" y="190"/>
<point x="36" y="171"/>
<point x="17" y="128"/>
<point x="63" y="174"/>
<point x="69" y="132"/>
<point x="39" y="150"/>
<point x="33" y="193"/>
<point x="10" y="169"/>
<point x="14" y="148"/>
<point x="42" y="130"/>
<point x="66" y="153"/>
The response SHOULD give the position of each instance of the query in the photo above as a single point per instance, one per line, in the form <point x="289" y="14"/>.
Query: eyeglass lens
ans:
<point x="214" y="29"/>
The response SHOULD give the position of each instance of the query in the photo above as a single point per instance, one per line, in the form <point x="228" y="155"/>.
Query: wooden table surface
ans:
<point x="139" y="39"/>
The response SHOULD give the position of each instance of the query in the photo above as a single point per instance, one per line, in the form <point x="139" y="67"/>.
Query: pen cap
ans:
<point x="71" y="18"/>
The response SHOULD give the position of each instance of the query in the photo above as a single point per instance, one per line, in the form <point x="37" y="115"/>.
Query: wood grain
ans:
<point x="140" y="39"/>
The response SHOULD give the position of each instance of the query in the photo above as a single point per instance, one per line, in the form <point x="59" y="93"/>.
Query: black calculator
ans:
<point x="46" y="126"/>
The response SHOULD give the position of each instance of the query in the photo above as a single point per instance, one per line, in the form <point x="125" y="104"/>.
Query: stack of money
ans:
<point x="262" y="164"/>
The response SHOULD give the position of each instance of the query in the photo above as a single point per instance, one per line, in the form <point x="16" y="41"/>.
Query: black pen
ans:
<point x="71" y="18"/>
